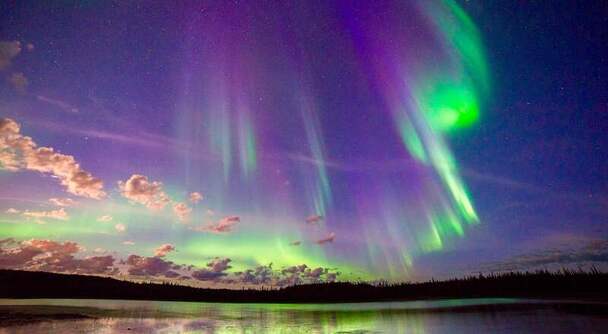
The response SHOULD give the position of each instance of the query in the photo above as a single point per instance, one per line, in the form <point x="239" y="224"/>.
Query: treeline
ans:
<point x="540" y="284"/>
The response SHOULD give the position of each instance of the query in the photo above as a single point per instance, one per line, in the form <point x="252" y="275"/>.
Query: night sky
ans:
<point x="265" y="143"/>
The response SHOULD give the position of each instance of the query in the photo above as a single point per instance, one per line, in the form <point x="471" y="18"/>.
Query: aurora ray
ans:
<point x="313" y="136"/>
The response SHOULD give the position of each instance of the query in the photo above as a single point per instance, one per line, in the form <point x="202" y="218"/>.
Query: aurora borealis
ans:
<point x="251" y="143"/>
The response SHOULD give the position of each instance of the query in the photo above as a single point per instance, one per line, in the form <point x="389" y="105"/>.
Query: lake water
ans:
<point x="444" y="316"/>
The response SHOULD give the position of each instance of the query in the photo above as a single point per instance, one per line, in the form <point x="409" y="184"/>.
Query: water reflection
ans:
<point x="409" y="317"/>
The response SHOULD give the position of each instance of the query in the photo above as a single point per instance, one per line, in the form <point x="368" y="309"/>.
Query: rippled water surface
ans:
<point x="445" y="316"/>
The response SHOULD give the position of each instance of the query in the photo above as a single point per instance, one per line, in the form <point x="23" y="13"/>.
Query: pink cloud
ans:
<point x="163" y="250"/>
<point x="195" y="197"/>
<point x="314" y="219"/>
<point x="62" y="201"/>
<point x="19" y="152"/>
<point x="224" y="225"/>
<point x="182" y="211"/>
<point x="216" y="269"/>
<point x="328" y="239"/>
<point x="140" y="190"/>
<point x="150" y="266"/>
<point x="59" y="214"/>
<point x="48" y="255"/>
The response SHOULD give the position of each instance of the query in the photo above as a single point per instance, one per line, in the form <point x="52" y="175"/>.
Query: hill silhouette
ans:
<point x="541" y="284"/>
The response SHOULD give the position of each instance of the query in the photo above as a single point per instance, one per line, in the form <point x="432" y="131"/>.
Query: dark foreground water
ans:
<point x="444" y="316"/>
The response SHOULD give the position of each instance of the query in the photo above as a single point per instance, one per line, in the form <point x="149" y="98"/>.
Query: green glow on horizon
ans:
<point x="254" y="250"/>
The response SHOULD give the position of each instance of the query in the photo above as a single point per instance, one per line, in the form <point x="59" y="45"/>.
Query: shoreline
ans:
<point x="19" y="315"/>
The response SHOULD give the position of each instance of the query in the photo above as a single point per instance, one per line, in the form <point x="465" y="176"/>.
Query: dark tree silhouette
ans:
<point x="540" y="284"/>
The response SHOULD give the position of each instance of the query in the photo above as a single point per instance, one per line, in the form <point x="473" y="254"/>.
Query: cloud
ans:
<point x="182" y="211"/>
<point x="195" y="197"/>
<point x="120" y="227"/>
<point x="328" y="239"/>
<point x="65" y="202"/>
<point x="105" y="219"/>
<point x="150" y="266"/>
<point x="12" y="211"/>
<point x="224" y="225"/>
<point x="128" y="243"/>
<point x="256" y="276"/>
<point x="21" y="152"/>
<point x="8" y="51"/>
<point x="217" y="272"/>
<point x="593" y="251"/>
<point x="59" y="214"/>
<point x="58" y="103"/>
<point x="216" y="269"/>
<point x="301" y="274"/>
<point x="139" y="190"/>
<point x="47" y="255"/>
<point x="314" y="219"/>
<point x="163" y="250"/>
<point x="18" y="81"/>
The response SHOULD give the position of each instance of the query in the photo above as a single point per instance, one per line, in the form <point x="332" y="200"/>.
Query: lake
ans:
<point x="439" y="316"/>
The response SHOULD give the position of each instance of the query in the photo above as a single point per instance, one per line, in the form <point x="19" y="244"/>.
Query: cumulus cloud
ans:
<point x="215" y="270"/>
<point x="140" y="190"/>
<point x="8" y="51"/>
<point x="301" y="274"/>
<point x="259" y="275"/>
<point x="328" y="239"/>
<point x="59" y="214"/>
<point x="47" y="255"/>
<point x="196" y="197"/>
<point x="224" y="225"/>
<point x="150" y="266"/>
<point x="65" y="202"/>
<point x="18" y="81"/>
<point x="314" y="219"/>
<point x="163" y="250"/>
<point x="55" y="256"/>
<point x="12" y="211"/>
<point x="19" y="152"/>
<point x="182" y="211"/>
<point x="120" y="227"/>
<point x="105" y="219"/>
